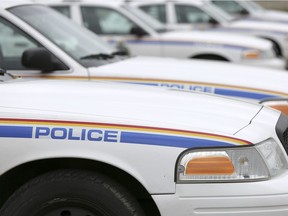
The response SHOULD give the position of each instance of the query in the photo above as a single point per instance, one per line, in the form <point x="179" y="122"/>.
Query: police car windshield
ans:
<point x="74" y="40"/>
<point x="254" y="6"/>
<point x="148" y="20"/>
<point x="218" y="14"/>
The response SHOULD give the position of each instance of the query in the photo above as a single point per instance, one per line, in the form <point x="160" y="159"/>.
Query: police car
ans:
<point x="185" y="14"/>
<point x="121" y="24"/>
<point x="60" y="50"/>
<point x="251" y="10"/>
<point x="83" y="148"/>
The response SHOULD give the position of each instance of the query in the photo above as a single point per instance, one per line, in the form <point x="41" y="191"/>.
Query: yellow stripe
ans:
<point x="128" y="79"/>
<point x="130" y="128"/>
<point x="188" y="83"/>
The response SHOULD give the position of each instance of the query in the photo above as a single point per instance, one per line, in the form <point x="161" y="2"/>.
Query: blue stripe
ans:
<point x="129" y="137"/>
<point x="142" y="83"/>
<point x="266" y="20"/>
<point x="185" y="43"/>
<point x="16" y="132"/>
<point x="226" y="92"/>
<point x="244" y="94"/>
<point x="169" y="141"/>
<point x="243" y="30"/>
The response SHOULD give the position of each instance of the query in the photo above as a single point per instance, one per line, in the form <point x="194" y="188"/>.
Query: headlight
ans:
<point x="255" y="163"/>
<point x="278" y="104"/>
<point x="251" y="54"/>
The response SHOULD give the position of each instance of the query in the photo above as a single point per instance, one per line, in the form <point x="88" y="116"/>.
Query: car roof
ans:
<point x="192" y="2"/>
<point x="4" y="4"/>
<point x="114" y="3"/>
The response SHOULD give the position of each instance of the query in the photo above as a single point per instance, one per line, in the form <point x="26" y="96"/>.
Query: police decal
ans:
<point x="188" y="87"/>
<point x="63" y="133"/>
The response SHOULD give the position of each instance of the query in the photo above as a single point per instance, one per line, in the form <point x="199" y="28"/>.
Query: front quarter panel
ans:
<point x="143" y="162"/>
<point x="265" y="121"/>
<point x="148" y="154"/>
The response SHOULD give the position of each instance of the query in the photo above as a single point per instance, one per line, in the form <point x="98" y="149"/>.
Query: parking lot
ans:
<point x="143" y="108"/>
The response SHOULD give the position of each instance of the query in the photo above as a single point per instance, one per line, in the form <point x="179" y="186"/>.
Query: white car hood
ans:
<point x="126" y="104"/>
<point x="280" y="17"/>
<point x="195" y="71"/>
<point x="273" y="15"/>
<point x="259" y="25"/>
<point x="217" y="38"/>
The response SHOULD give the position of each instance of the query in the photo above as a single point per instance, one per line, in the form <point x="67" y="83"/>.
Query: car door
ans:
<point x="163" y="12"/>
<point x="192" y="17"/>
<point x="234" y="8"/>
<point x="119" y="30"/>
<point x="156" y="10"/>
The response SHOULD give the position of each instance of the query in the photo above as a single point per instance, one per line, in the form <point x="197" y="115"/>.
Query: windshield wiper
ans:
<point x="5" y="76"/>
<point x="104" y="56"/>
<point x="100" y="56"/>
<point x="120" y="53"/>
<point x="162" y="30"/>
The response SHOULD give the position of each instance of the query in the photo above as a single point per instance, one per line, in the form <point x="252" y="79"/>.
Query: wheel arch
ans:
<point x="17" y="176"/>
<point x="276" y="47"/>
<point x="210" y="56"/>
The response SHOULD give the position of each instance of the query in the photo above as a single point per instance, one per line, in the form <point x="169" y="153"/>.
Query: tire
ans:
<point x="71" y="193"/>
<point x="210" y="57"/>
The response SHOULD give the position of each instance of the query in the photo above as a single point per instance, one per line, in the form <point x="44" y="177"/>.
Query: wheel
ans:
<point x="71" y="193"/>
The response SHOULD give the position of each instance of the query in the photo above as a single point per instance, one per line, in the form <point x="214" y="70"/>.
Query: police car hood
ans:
<point x="126" y="104"/>
<point x="272" y="15"/>
<point x="195" y="71"/>
<point x="217" y="38"/>
<point x="258" y="25"/>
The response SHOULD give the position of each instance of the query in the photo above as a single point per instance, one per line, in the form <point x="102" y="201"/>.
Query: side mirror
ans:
<point x="122" y="48"/>
<point x="38" y="58"/>
<point x="244" y="12"/>
<point x="213" y="22"/>
<point x="139" y="32"/>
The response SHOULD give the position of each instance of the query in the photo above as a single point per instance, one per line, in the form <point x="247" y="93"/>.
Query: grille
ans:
<point x="285" y="140"/>
<point x="277" y="50"/>
<point x="282" y="131"/>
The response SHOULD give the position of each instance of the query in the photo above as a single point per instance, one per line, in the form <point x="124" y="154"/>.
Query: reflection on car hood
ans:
<point x="273" y="15"/>
<point x="259" y="25"/>
<point x="197" y="71"/>
<point x="217" y="38"/>
<point x="127" y="104"/>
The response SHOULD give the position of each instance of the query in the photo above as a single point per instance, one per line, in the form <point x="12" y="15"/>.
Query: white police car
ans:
<point x="120" y="23"/>
<point x="60" y="50"/>
<point x="84" y="149"/>
<point x="185" y="14"/>
<point x="251" y="10"/>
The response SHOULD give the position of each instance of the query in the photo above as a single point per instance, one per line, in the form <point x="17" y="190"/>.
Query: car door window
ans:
<point x="106" y="21"/>
<point x="190" y="14"/>
<point x="232" y="7"/>
<point x="65" y="10"/>
<point x="156" y="11"/>
<point x="13" y="42"/>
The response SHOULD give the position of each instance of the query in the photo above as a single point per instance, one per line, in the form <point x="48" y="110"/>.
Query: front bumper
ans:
<point x="276" y="63"/>
<point x="266" y="198"/>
